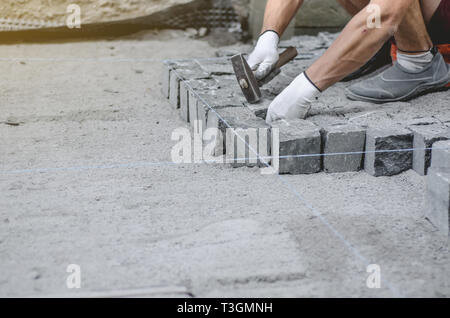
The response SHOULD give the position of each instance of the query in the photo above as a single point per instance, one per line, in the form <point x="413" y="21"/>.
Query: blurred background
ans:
<point x="35" y="20"/>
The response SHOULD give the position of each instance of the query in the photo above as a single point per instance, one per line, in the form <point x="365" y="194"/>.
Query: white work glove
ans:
<point x="294" y="101"/>
<point x="265" y="55"/>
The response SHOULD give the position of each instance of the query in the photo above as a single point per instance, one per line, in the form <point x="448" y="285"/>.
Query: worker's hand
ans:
<point x="294" y="101"/>
<point x="265" y="55"/>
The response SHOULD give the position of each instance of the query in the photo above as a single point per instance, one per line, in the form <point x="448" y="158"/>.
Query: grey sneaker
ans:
<point x="398" y="84"/>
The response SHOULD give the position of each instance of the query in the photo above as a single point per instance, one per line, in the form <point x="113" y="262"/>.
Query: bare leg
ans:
<point x="429" y="7"/>
<point x="357" y="43"/>
<point x="412" y="34"/>
<point x="418" y="67"/>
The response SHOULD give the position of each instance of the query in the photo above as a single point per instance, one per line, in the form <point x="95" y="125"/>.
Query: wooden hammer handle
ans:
<point x="288" y="55"/>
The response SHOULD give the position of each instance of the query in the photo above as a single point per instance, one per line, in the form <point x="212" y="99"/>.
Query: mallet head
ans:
<point x="246" y="79"/>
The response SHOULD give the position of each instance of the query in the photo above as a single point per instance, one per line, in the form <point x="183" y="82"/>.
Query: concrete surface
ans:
<point x="438" y="187"/>
<point x="438" y="198"/>
<point x="93" y="121"/>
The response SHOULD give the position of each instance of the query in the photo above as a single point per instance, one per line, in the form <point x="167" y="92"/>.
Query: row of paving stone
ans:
<point x="349" y="137"/>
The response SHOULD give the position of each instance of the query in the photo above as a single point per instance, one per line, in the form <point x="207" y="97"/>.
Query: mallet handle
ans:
<point x="288" y="55"/>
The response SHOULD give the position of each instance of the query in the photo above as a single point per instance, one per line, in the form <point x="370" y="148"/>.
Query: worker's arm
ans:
<point x="277" y="17"/>
<point x="279" y="14"/>
<point x="357" y="43"/>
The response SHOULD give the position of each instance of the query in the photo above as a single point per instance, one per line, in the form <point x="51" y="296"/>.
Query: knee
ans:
<point x="392" y="15"/>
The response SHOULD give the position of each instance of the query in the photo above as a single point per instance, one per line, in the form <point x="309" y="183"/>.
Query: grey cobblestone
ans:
<point x="276" y="86"/>
<point x="259" y="109"/>
<point x="192" y="108"/>
<point x="180" y="71"/>
<point x="193" y="85"/>
<point x="376" y="119"/>
<point x="299" y="137"/>
<point x="250" y="138"/>
<point x="174" y="90"/>
<point x="379" y="163"/>
<point x="215" y="99"/>
<point x="228" y="82"/>
<point x="217" y="67"/>
<point x="343" y="139"/>
<point x="424" y="137"/>
<point x="166" y="82"/>
<point x="184" y="101"/>
<point x="441" y="155"/>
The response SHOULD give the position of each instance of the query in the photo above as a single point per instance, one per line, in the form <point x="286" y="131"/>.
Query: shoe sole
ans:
<point x="418" y="91"/>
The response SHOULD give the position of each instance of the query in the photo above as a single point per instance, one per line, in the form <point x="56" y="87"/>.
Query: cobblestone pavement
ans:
<point x="346" y="126"/>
